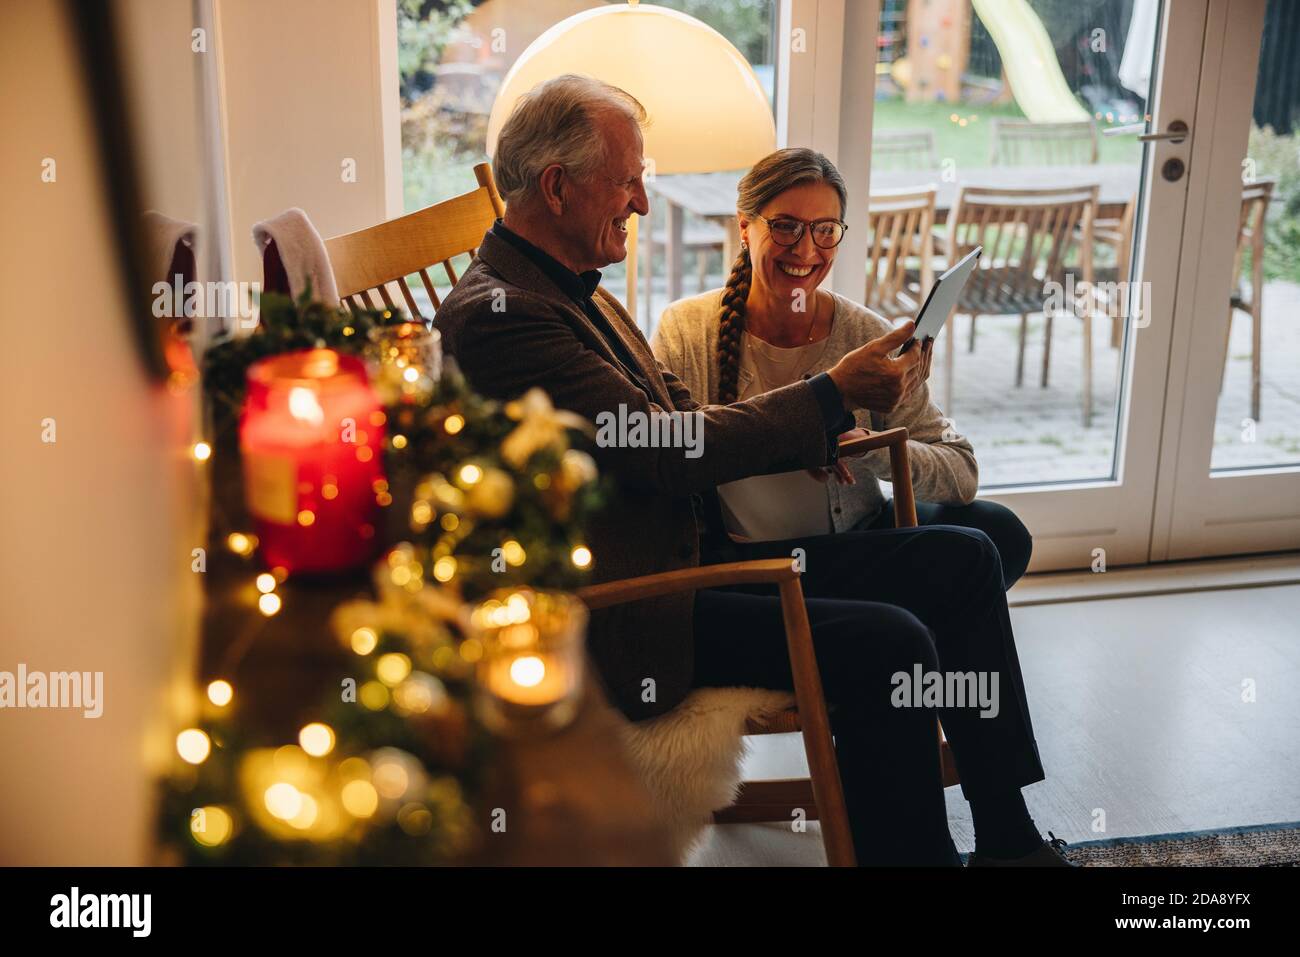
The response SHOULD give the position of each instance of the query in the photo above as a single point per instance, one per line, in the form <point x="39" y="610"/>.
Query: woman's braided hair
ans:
<point x="770" y="177"/>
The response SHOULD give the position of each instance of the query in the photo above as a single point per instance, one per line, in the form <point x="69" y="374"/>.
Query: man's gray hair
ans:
<point x="554" y="123"/>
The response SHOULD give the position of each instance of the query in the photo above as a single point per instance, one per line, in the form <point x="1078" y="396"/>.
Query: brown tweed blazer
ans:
<point x="541" y="337"/>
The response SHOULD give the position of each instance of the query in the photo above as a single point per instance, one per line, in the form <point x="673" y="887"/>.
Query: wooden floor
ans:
<point x="1138" y="711"/>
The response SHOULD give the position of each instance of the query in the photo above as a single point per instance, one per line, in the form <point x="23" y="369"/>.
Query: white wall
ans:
<point x="825" y="101"/>
<point x="98" y="526"/>
<point x="304" y="87"/>
<point x="160" y="76"/>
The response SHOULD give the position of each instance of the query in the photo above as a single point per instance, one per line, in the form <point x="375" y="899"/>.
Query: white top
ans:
<point x="790" y="504"/>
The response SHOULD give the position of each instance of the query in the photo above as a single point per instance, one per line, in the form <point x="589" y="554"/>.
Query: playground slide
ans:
<point x="1030" y="61"/>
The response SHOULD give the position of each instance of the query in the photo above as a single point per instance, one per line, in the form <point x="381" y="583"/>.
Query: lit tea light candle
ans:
<point x="311" y="437"/>
<point x="531" y="672"/>
<point x="530" y="678"/>
<point x="405" y="362"/>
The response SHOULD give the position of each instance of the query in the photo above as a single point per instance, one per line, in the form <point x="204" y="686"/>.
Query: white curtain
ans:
<point x="1140" y="47"/>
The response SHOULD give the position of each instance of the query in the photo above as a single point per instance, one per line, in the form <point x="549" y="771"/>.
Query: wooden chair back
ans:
<point x="1025" y="143"/>
<point x="378" y="259"/>
<point x="1027" y="235"/>
<point x="901" y="224"/>
<point x="903" y="149"/>
<point x="1118" y="234"/>
<point x="1255" y="198"/>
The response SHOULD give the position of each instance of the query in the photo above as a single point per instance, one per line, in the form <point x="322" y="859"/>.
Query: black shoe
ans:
<point x="1048" y="854"/>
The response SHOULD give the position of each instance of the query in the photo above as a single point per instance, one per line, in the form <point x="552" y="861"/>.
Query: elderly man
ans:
<point x="529" y="311"/>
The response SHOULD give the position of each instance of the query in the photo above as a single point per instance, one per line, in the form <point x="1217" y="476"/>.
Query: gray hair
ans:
<point x="554" y="123"/>
<point x="775" y="173"/>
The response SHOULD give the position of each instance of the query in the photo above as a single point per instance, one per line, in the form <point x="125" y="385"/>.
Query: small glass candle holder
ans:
<point x="530" y="676"/>
<point x="311" y="438"/>
<point x="405" y="362"/>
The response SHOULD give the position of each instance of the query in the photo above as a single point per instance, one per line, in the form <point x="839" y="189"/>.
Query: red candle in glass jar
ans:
<point x="311" y="438"/>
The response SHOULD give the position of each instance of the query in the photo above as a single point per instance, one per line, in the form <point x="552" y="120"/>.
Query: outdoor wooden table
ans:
<point x="712" y="196"/>
<point x="570" y="798"/>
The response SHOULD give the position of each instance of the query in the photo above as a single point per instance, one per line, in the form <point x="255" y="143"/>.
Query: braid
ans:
<point x="731" y="324"/>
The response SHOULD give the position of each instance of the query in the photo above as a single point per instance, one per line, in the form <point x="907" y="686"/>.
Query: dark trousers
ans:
<point x="880" y="603"/>
<point x="999" y="523"/>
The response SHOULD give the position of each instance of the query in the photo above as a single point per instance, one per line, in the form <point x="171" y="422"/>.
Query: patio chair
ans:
<point x="1250" y="237"/>
<point x="701" y="237"/>
<point x="1027" y="235"/>
<point x="378" y="259"/>
<point x="1025" y="143"/>
<point x="903" y="149"/>
<point x="900" y="223"/>
<point x="1117" y="235"/>
<point x="821" y="795"/>
<point x="900" y="261"/>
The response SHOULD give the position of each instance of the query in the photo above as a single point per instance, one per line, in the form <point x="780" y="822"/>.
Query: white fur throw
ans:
<point x="689" y="758"/>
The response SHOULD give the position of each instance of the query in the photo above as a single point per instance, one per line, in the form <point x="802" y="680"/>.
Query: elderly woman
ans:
<point x="771" y="325"/>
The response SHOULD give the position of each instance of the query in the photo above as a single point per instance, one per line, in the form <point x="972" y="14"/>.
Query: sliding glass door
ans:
<point x="1036" y="131"/>
<point x="1091" y="382"/>
<point x="1230" y="475"/>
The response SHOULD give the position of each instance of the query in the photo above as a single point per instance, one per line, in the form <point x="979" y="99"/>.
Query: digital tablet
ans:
<point x="942" y="298"/>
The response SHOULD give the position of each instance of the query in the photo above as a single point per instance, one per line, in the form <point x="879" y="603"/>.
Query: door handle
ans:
<point x="1124" y="130"/>
<point x="1176" y="133"/>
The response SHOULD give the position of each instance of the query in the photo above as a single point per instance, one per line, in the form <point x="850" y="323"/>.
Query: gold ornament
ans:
<point x="541" y="426"/>
<point x="492" y="495"/>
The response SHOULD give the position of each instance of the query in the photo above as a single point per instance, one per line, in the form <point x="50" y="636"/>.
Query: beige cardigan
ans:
<point x="943" y="462"/>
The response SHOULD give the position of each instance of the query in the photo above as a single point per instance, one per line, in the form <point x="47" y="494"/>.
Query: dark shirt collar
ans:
<point x="577" y="286"/>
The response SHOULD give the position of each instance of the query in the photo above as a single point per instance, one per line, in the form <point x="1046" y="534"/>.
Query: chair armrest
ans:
<point x="900" y="470"/>
<point x="828" y="791"/>
<point x="755" y="572"/>
<point x="879" y="440"/>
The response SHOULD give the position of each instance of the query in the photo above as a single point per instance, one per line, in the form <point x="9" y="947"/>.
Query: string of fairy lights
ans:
<point x="495" y="497"/>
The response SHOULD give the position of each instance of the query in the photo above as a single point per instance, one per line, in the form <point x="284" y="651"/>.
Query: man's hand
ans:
<point x="840" y="470"/>
<point x="870" y="378"/>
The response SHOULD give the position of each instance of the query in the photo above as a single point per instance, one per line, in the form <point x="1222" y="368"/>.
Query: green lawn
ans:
<point x="970" y="145"/>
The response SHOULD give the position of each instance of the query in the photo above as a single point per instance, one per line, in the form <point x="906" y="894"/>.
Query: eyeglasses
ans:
<point x="786" y="230"/>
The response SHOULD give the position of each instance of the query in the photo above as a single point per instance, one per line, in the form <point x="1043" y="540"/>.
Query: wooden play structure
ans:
<point x="938" y="38"/>
<point x="938" y="48"/>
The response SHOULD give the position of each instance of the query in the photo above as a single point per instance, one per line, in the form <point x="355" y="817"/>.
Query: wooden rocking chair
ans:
<point x="821" y="795"/>
<point x="378" y="259"/>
